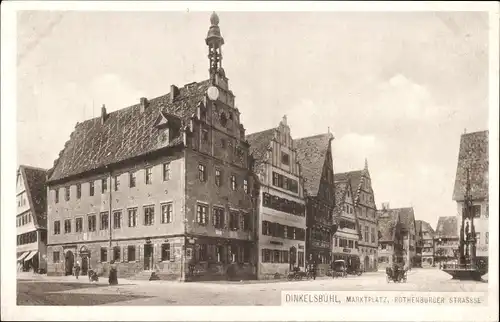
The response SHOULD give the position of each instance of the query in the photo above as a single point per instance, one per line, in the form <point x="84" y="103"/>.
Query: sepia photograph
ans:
<point x="208" y="156"/>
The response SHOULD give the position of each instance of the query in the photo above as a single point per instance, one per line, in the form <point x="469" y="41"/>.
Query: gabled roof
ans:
<point x="125" y="134"/>
<point x="311" y="154"/>
<point x="259" y="143"/>
<point x="473" y="154"/>
<point x="447" y="227"/>
<point x="424" y="227"/>
<point x="354" y="176"/>
<point x="34" y="182"/>
<point x="341" y="188"/>
<point x="387" y="224"/>
<point x="406" y="217"/>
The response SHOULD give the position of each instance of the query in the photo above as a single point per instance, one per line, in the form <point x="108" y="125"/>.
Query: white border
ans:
<point x="368" y="313"/>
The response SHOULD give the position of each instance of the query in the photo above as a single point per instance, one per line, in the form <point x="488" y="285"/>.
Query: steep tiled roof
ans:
<point x="125" y="134"/>
<point x="259" y="142"/>
<point x="340" y="192"/>
<point x="424" y="227"/>
<point x="473" y="153"/>
<point x="311" y="154"/>
<point x="447" y="227"/>
<point x="386" y="226"/>
<point x="354" y="176"/>
<point x="34" y="181"/>
<point x="406" y="217"/>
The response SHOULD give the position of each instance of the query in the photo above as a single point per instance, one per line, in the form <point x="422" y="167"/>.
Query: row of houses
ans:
<point x="402" y="238"/>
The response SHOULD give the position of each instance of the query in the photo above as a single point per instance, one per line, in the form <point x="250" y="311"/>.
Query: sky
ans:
<point x="396" y="88"/>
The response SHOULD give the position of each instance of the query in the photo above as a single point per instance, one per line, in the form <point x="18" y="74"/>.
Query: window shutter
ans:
<point x="99" y="255"/>
<point x="140" y="253"/>
<point x="122" y="253"/>
<point x="125" y="253"/>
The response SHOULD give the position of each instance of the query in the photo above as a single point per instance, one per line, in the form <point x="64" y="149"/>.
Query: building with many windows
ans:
<point x="425" y="243"/>
<point x="345" y="241"/>
<point x="162" y="186"/>
<point x="473" y="156"/>
<point x="281" y="221"/>
<point x="364" y="202"/>
<point x="31" y="219"/>
<point x="315" y="157"/>
<point x="390" y="237"/>
<point x="446" y="240"/>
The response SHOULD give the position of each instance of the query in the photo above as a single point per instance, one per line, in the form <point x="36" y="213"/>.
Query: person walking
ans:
<point x="77" y="269"/>
<point x="314" y="268"/>
<point x="113" y="274"/>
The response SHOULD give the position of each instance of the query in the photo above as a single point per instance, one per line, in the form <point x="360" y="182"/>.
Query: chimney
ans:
<point x="385" y="206"/>
<point x="144" y="104"/>
<point x="174" y="92"/>
<point x="104" y="115"/>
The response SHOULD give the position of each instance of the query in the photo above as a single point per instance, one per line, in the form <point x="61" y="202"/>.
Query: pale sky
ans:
<point x="396" y="88"/>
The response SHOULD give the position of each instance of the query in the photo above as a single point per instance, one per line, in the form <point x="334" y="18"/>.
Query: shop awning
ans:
<point x="30" y="256"/>
<point x="23" y="255"/>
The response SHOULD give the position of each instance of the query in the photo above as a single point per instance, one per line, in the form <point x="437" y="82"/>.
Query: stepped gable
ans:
<point x="125" y="133"/>
<point x="473" y="154"/>
<point x="311" y="154"/>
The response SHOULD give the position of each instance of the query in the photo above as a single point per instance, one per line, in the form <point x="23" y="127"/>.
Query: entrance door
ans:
<point x="367" y="263"/>
<point x="70" y="262"/>
<point x="293" y="257"/>
<point x="148" y="257"/>
<point x="85" y="264"/>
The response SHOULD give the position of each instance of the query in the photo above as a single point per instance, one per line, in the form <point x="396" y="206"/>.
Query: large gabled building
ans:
<point x="31" y="219"/>
<point x="473" y="157"/>
<point x="281" y="220"/>
<point x="425" y="243"/>
<point x="163" y="186"/>
<point x="364" y="202"/>
<point x="446" y="240"/>
<point x="315" y="157"/>
<point x="390" y="237"/>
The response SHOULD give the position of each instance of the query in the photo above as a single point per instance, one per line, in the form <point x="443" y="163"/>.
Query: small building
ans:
<point x="281" y="217"/>
<point x="406" y="219"/>
<point x="425" y="243"/>
<point x="446" y="240"/>
<point x="31" y="219"/>
<point x="391" y="246"/>
<point x="345" y="241"/>
<point x="315" y="157"/>
<point x="473" y="156"/>
<point x="163" y="186"/>
<point x="364" y="202"/>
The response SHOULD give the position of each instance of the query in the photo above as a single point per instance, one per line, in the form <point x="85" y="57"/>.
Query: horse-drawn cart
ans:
<point x="396" y="274"/>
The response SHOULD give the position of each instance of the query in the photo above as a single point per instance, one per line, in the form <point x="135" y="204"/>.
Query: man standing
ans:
<point x="77" y="269"/>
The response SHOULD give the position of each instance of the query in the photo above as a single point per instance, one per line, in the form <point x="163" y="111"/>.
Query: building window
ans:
<point x="132" y="217"/>
<point x="244" y="221"/>
<point x="233" y="182"/>
<point x="476" y="211"/>
<point x="79" y="225"/>
<point x="56" y="196"/>
<point x="218" y="178"/>
<point x="78" y="191"/>
<point x="104" y="254"/>
<point x="104" y="220"/>
<point x="92" y="223"/>
<point x="373" y="235"/>
<point x="205" y="135"/>
<point x="131" y="179"/>
<point x="233" y="220"/>
<point x="165" y="252"/>
<point x="91" y="188"/>
<point x="131" y="253"/>
<point x="218" y="217"/>
<point x="149" y="175"/>
<point x="116" y="253"/>
<point x="218" y="253"/>
<point x="57" y="227"/>
<point x="117" y="183"/>
<point x="66" y="193"/>
<point x="67" y="226"/>
<point x="104" y="185"/>
<point x="149" y="215"/>
<point x="166" y="213"/>
<point x="367" y="233"/>
<point x="285" y="158"/>
<point x="203" y="253"/>
<point x="166" y="171"/>
<point x="201" y="173"/>
<point x="201" y="214"/>
<point x="55" y="257"/>
<point x="245" y="185"/>
<point x="117" y="220"/>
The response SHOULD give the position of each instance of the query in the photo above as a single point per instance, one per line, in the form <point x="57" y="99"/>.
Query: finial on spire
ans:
<point x="284" y="120"/>
<point x="214" y="19"/>
<point x="328" y="130"/>
<point x="465" y="130"/>
<point x="366" y="164"/>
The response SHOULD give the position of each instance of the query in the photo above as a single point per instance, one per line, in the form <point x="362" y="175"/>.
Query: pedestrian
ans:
<point x="77" y="269"/>
<point x="113" y="275"/>
<point x="314" y="270"/>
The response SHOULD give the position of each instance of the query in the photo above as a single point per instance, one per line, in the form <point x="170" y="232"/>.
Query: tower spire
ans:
<point x="214" y="42"/>
<point x="366" y="164"/>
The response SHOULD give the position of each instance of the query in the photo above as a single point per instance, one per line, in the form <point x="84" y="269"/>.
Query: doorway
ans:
<point x="70" y="262"/>
<point x="367" y="263"/>
<point x="293" y="257"/>
<point x="85" y="264"/>
<point x="148" y="257"/>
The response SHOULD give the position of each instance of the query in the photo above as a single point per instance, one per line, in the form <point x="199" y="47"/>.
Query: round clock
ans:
<point x="213" y="93"/>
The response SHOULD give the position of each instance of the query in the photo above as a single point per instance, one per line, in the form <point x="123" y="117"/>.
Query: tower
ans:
<point x="214" y="42"/>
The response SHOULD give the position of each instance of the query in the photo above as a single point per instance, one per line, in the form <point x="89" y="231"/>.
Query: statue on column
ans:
<point x="467" y="234"/>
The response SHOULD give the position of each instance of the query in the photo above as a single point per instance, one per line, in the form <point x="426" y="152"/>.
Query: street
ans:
<point x="43" y="290"/>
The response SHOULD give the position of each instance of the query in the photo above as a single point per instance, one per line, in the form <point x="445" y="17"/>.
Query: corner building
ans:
<point x="281" y="219"/>
<point x="163" y="186"/>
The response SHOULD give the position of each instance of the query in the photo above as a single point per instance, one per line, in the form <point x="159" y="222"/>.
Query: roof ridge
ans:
<point x="314" y="136"/>
<point x="32" y="167"/>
